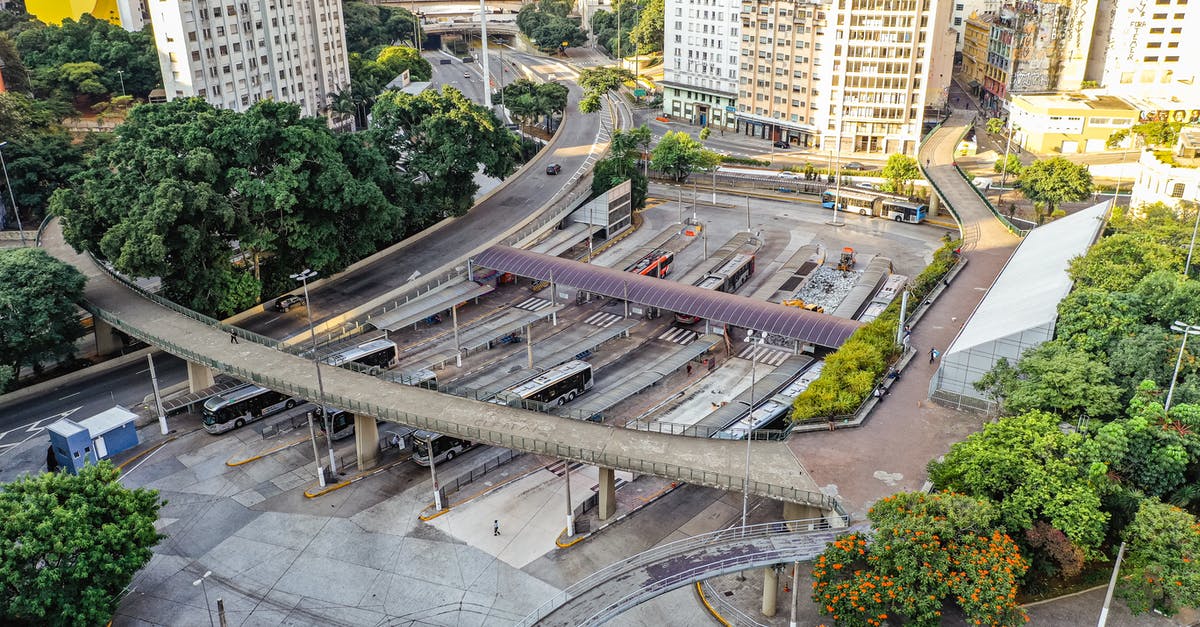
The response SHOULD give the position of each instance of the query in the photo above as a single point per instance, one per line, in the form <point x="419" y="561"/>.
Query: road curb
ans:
<point x="72" y="377"/>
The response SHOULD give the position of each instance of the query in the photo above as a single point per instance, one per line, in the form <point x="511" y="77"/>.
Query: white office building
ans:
<point x="701" y="43"/>
<point x="234" y="53"/>
<point x="1147" y="48"/>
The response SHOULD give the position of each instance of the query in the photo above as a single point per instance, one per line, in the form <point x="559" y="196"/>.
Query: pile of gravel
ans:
<point x="827" y="286"/>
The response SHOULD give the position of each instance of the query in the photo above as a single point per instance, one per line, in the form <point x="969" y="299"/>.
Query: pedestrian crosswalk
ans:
<point x="560" y="467"/>
<point x="679" y="335"/>
<point x="764" y="355"/>
<point x="603" y="319"/>
<point x="534" y="304"/>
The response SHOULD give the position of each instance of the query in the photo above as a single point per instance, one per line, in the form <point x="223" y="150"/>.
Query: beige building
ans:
<point x="1147" y="48"/>
<point x="976" y="29"/>
<point x="1068" y="123"/>
<point x="235" y="53"/>
<point x="864" y="71"/>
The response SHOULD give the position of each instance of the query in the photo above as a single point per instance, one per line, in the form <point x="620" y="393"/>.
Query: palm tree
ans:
<point x="344" y="102"/>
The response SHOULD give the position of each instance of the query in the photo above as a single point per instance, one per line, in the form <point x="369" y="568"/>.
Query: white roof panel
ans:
<point x="107" y="420"/>
<point x="1029" y="288"/>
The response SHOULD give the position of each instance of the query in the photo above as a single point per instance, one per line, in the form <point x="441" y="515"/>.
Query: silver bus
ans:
<point x="236" y="407"/>
<point x="444" y="447"/>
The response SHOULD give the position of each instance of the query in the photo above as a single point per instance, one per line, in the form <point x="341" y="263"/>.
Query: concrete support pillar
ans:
<point x="366" y="441"/>
<point x="608" y="493"/>
<point x="107" y="340"/>
<point x="798" y="511"/>
<point x="935" y="203"/>
<point x="770" y="590"/>
<point x="199" y="377"/>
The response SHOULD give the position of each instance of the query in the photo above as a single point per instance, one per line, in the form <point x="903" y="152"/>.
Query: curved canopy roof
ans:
<point x="739" y="311"/>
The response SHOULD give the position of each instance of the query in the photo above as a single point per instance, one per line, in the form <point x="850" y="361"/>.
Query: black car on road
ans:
<point x="285" y="303"/>
<point x="782" y="144"/>
<point x="553" y="168"/>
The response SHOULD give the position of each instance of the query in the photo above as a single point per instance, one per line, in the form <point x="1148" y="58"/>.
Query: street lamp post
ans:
<point x="1186" y="330"/>
<point x="121" y="75"/>
<point x="487" y="88"/>
<point x="11" y="197"/>
<point x="204" y="587"/>
<point x="303" y="276"/>
<point x="1187" y="266"/>
<point x="749" y="425"/>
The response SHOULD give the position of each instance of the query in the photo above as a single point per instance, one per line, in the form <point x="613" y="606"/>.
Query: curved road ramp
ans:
<point x="619" y="587"/>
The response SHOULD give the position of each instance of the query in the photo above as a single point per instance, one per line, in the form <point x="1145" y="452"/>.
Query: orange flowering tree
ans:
<point x="1161" y="570"/>
<point x="925" y="551"/>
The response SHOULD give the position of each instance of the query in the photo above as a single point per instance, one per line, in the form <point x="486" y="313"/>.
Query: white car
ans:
<point x="789" y="175"/>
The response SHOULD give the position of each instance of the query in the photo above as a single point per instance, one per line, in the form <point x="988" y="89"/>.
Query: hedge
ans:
<point x="852" y="371"/>
<point x="743" y="160"/>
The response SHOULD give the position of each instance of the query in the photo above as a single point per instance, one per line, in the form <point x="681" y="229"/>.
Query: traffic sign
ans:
<point x="731" y="108"/>
<point x="639" y="92"/>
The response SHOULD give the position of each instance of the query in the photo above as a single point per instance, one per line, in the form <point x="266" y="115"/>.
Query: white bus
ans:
<point x="380" y="353"/>
<point x="444" y="447"/>
<point x="558" y="385"/>
<point x="236" y="407"/>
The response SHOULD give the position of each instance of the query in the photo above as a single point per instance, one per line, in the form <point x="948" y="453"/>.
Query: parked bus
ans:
<point x="380" y="353"/>
<point x="236" y="407"/>
<point x="727" y="277"/>
<point x="656" y="264"/>
<point x="556" y="386"/>
<point x="903" y="211"/>
<point x="876" y="204"/>
<point x="444" y="447"/>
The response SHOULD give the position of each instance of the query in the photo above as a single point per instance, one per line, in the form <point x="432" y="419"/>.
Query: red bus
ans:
<point x="656" y="264"/>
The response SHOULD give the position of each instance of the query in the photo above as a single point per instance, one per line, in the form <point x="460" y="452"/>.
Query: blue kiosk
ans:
<point x="88" y="441"/>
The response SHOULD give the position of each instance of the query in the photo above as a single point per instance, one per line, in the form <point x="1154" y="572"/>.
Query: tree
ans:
<point x="90" y="40"/>
<point x="926" y="550"/>
<point x="368" y="26"/>
<point x="678" y="155"/>
<point x="995" y="126"/>
<point x="1159" y="571"/>
<point x="1010" y="164"/>
<point x="184" y="182"/>
<point x="622" y="164"/>
<point x="901" y="171"/>
<point x="442" y="139"/>
<point x="72" y="543"/>
<point x="16" y="75"/>
<point x="647" y="34"/>
<point x="1055" y="181"/>
<point x="1054" y="378"/>
<point x="1150" y="133"/>
<point x="547" y="25"/>
<point x="528" y="100"/>
<point x="38" y="320"/>
<point x="400" y="58"/>
<point x="1033" y="471"/>
<point x="596" y="82"/>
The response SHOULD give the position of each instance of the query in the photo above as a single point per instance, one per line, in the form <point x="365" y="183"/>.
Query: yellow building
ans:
<point x="1068" y="123"/>
<point x="974" y="52"/>
<point x="55" y="11"/>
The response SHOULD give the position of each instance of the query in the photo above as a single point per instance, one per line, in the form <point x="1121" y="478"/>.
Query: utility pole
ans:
<point x="487" y="87"/>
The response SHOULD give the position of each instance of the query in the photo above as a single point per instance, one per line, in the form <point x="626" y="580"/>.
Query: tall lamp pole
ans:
<point x="1186" y="330"/>
<point x="487" y="85"/>
<point x="121" y="75"/>
<point x="11" y="198"/>
<point x="303" y="276"/>
<point x="749" y="426"/>
<point x="1187" y="266"/>
<point x="203" y="586"/>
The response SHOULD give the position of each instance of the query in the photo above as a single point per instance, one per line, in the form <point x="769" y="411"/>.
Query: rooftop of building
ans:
<point x="1075" y="101"/>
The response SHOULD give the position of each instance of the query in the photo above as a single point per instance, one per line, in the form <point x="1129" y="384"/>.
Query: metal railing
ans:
<point x="687" y="545"/>
<point x="529" y="444"/>
<point x="1014" y="229"/>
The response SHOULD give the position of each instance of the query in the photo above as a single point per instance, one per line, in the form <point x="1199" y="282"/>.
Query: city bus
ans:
<point x="556" y="386"/>
<point x="903" y="211"/>
<point x="236" y="407"/>
<point x="857" y="201"/>
<point x="444" y="447"/>
<point x="727" y="277"/>
<point x="656" y="264"/>
<point x="380" y="353"/>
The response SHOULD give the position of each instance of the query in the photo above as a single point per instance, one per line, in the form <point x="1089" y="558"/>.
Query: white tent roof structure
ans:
<point x="1020" y="309"/>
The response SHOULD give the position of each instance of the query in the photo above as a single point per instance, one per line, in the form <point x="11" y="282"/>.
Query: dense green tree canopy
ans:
<point x="38" y="296"/>
<point x="596" y="82"/>
<point x="16" y="75"/>
<point x="678" y="155"/>
<point x="1010" y="164"/>
<point x="529" y="100"/>
<point x="185" y="181"/>
<point x="40" y="155"/>
<point x="622" y="163"/>
<point x="900" y="171"/>
<point x="369" y="25"/>
<point x="89" y="40"/>
<point x="1160" y="569"/>
<point x="441" y="139"/>
<point x="1033" y="471"/>
<point x="647" y="35"/>
<point x="71" y="544"/>
<point x="926" y="551"/>
<point x="1055" y="378"/>
<point x="1051" y="182"/>
<point x="547" y="24"/>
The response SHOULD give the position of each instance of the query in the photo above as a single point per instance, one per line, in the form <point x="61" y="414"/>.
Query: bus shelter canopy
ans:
<point x="739" y="311"/>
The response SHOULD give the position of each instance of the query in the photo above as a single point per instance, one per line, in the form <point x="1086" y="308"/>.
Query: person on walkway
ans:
<point x="232" y="339"/>
<point x="495" y="527"/>
<point x="933" y="354"/>
<point x="907" y="330"/>
<point x="689" y="369"/>
<point x="878" y="394"/>
<point x="927" y="163"/>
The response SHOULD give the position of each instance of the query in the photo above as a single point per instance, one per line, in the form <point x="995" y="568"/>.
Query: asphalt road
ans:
<point x="501" y="210"/>
<point x="126" y="385"/>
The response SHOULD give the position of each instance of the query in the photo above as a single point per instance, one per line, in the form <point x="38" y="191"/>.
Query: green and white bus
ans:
<point x="236" y="407"/>
<point x="444" y="447"/>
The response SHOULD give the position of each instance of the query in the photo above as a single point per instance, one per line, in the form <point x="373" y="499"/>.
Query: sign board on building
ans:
<point x="1186" y="116"/>
<point x="731" y="108"/>
<point x="639" y="92"/>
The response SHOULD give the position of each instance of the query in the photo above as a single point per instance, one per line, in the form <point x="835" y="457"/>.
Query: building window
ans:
<point x="1177" y="190"/>
<point x="1150" y="59"/>
<point x="1170" y="59"/>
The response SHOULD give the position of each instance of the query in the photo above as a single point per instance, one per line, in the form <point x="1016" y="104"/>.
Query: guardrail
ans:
<point x="678" y="547"/>
<point x="1014" y="229"/>
<point x="528" y="444"/>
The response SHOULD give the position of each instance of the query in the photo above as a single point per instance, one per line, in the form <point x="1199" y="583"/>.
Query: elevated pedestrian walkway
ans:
<point x="207" y="344"/>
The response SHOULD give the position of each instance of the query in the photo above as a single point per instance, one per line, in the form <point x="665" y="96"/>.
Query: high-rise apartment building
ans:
<point x="700" y="71"/>
<point x="778" y="78"/>
<point x="1147" y="48"/>
<point x="234" y="53"/>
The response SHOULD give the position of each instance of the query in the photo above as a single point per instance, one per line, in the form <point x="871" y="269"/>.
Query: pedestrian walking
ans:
<point x="927" y="163"/>
<point x="907" y="330"/>
<point x="932" y="354"/>
<point x="232" y="339"/>
<point x="495" y="527"/>
<point x="689" y="369"/>
<point x="878" y="394"/>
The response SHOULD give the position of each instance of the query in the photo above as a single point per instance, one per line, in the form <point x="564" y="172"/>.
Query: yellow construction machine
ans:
<point x="847" y="260"/>
<point x="797" y="302"/>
